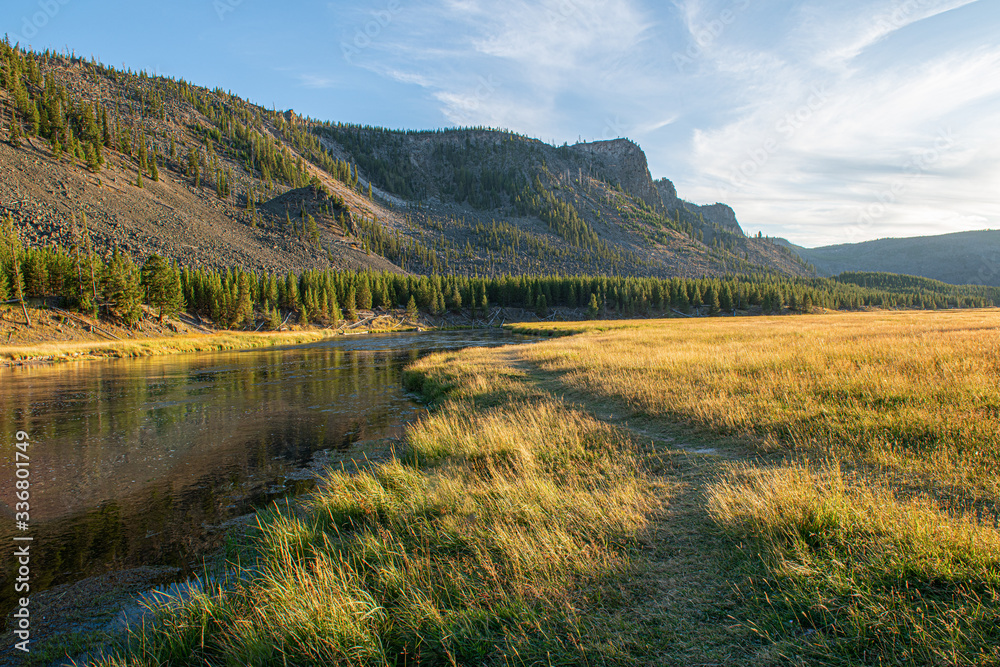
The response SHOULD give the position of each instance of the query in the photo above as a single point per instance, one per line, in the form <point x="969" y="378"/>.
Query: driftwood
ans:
<point x="83" y="321"/>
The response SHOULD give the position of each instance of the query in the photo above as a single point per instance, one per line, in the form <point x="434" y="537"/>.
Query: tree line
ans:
<point x="115" y="287"/>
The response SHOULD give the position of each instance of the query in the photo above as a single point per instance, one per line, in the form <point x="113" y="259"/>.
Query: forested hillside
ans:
<point x="963" y="258"/>
<point x="148" y="164"/>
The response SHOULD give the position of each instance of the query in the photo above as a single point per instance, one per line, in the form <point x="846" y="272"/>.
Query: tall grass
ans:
<point x="479" y="547"/>
<point x="856" y="504"/>
<point x="914" y="394"/>
<point x="861" y="575"/>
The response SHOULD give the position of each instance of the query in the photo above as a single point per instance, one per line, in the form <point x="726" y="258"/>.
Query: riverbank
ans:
<point x="56" y="337"/>
<point x="725" y="491"/>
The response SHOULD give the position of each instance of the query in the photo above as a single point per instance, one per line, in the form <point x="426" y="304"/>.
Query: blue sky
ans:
<point x="823" y="122"/>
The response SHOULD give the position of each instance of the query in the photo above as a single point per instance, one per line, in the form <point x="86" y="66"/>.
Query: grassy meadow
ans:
<point x="789" y="490"/>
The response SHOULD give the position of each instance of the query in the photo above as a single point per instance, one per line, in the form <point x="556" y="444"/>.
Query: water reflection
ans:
<point x="132" y="461"/>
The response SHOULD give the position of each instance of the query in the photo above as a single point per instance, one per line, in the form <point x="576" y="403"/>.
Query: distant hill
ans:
<point x="962" y="258"/>
<point x="210" y="179"/>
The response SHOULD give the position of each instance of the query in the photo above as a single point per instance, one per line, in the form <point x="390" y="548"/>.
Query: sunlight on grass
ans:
<point x="852" y="515"/>
<point x="862" y="572"/>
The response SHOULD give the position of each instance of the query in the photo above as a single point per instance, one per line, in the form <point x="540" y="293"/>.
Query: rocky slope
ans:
<point x="239" y="185"/>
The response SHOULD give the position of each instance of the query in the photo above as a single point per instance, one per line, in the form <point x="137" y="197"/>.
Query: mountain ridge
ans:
<point x="958" y="258"/>
<point x="159" y="165"/>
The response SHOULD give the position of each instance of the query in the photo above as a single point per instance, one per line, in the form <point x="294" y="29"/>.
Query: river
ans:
<point x="144" y="461"/>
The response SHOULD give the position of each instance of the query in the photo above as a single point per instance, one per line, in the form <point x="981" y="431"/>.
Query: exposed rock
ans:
<point x="625" y="162"/>
<point x="668" y="193"/>
<point x="720" y="214"/>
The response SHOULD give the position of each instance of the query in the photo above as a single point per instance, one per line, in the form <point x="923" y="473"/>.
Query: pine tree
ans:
<point x="34" y="121"/>
<point x="411" y="308"/>
<point x="15" y="131"/>
<point x="161" y="284"/>
<point x="92" y="162"/>
<point x="10" y="246"/>
<point x="594" y="308"/>
<point x="312" y="229"/>
<point x="541" y="306"/>
<point x="122" y="289"/>
<point x="712" y="299"/>
<point x="364" y="295"/>
<point x="274" y="319"/>
<point x="142" y="152"/>
<point x="726" y="297"/>
<point x="350" y="305"/>
<point x="333" y="308"/>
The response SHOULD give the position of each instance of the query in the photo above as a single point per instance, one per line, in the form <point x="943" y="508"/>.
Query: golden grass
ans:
<point x="852" y="520"/>
<point x="915" y="393"/>
<point x="477" y="548"/>
<point x="861" y="574"/>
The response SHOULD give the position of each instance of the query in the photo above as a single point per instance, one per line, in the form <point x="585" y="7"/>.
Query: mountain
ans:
<point x="202" y="176"/>
<point x="963" y="258"/>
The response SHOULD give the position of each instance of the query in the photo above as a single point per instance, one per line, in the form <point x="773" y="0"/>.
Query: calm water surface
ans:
<point x="134" y="462"/>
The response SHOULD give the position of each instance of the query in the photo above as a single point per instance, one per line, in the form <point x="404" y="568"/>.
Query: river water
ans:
<point x="139" y="461"/>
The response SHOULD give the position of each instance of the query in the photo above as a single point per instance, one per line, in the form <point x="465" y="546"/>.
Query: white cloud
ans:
<point x="860" y="150"/>
<point x="316" y="81"/>
<point x="799" y="113"/>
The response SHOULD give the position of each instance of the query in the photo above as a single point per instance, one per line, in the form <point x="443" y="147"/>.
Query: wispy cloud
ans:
<point x="316" y="81"/>
<point x="799" y="113"/>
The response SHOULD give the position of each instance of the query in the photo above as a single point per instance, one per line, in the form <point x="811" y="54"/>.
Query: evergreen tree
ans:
<point x="411" y="308"/>
<point x="10" y="246"/>
<point x="14" y="135"/>
<point x="594" y="308"/>
<point x="161" y="283"/>
<point x="350" y="305"/>
<point x="122" y="290"/>
<point x="726" y="297"/>
<point x="712" y="299"/>
<point x="274" y="319"/>
<point x="364" y="295"/>
<point x="312" y="230"/>
<point x="542" y="306"/>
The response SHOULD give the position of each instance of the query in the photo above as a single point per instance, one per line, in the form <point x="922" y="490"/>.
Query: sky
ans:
<point x="820" y="122"/>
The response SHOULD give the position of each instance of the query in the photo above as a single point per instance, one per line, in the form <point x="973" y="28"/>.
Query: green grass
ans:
<point x="558" y="506"/>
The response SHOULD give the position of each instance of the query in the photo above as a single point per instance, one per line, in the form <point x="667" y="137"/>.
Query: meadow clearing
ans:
<point x="776" y="490"/>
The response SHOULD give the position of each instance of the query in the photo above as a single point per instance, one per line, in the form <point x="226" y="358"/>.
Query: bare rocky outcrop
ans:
<point x="623" y="161"/>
